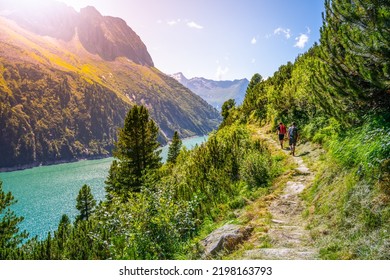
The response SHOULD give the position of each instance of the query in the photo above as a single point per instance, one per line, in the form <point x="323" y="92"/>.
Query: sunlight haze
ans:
<point x="221" y="40"/>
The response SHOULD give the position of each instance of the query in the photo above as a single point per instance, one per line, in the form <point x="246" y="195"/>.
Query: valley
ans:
<point x="63" y="98"/>
<point x="215" y="92"/>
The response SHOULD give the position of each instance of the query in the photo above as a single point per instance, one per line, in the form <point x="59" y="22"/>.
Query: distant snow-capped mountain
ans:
<point x="215" y="92"/>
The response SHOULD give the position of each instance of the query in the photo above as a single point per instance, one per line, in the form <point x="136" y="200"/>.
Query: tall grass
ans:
<point x="349" y="201"/>
<point x="366" y="147"/>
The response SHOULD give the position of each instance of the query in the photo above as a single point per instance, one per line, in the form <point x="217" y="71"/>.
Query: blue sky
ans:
<point x="219" y="39"/>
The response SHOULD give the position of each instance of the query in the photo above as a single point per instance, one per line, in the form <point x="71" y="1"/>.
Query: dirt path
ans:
<point x="288" y="237"/>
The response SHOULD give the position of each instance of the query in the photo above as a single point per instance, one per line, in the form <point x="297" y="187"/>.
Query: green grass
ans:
<point x="348" y="214"/>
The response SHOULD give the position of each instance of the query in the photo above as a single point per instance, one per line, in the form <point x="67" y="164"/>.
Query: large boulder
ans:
<point x="225" y="239"/>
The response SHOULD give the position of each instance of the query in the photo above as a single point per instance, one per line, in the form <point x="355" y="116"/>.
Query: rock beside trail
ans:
<point x="225" y="238"/>
<point x="302" y="170"/>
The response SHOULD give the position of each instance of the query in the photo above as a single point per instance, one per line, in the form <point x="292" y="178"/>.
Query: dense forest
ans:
<point x="46" y="119"/>
<point x="338" y="93"/>
<point x="49" y="116"/>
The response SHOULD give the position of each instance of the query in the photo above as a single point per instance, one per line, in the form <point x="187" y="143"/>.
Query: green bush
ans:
<point x="321" y="129"/>
<point x="256" y="169"/>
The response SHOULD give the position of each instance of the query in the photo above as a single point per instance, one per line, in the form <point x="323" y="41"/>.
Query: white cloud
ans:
<point x="280" y="30"/>
<point x="253" y="60"/>
<point x="301" y="41"/>
<point x="193" y="24"/>
<point x="253" y="41"/>
<point x="188" y="23"/>
<point x="221" y="72"/>
<point x="172" y="22"/>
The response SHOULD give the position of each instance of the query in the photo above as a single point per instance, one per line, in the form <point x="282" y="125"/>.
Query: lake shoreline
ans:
<point x="56" y="162"/>
<point x="47" y="192"/>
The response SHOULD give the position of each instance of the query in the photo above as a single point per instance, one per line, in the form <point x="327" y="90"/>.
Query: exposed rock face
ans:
<point x="225" y="238"/>
<point x="108" y="37"/>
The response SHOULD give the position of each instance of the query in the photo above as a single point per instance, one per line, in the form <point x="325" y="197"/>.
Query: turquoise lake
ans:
<point x="45" y="193"/>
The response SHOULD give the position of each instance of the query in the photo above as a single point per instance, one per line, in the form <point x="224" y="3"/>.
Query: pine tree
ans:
<point x="251" y="95"/>
<point x="85" y="203"/>
<point x="137" y="152"/>
<point x="354" y="69"/>
<point x="226" y="107"/>
<point x="112" y="182"/>
<point x="48" y="247"/>
<point x="10" y="237"/>
<point x="174" y="148"/>
<point x="256" y="78"/>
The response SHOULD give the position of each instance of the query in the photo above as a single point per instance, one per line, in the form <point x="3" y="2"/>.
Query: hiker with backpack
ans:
<point x="292" y="135"/>
<point x="281" y="131"/>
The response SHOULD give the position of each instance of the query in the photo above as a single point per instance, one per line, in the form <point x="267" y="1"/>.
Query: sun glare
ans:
<point x="33" y="5"/>
<point x="27" y="4"/>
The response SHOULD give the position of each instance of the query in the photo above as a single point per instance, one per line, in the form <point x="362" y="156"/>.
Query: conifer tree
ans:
<point x="256" y="78"/>
<point x="113" y="181"/>
<point x="355" y="65"/>
<point x="249" y="103"/>
<point x="174" y="148"/>
<point x="48" y="247"/>
<point x="136" y="151"/>
<point x="226" y="107"/>
<point x="10" y="237"/>
<point x="85" y="203"/>
<point x="61" y="235"/>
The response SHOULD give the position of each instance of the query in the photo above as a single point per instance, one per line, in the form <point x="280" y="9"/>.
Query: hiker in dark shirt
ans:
<point x="281" y="131"/>
<point x="293" y="136"/>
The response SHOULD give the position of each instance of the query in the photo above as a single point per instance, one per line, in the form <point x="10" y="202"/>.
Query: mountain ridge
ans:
<point x="215" y="92"/>
<point x="62" y="102"/>
<point x="109" y="37"/>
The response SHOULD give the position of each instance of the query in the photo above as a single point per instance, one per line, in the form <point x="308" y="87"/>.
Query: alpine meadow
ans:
<point x="92" y="91"/>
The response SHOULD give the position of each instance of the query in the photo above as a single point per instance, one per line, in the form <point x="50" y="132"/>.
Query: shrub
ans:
<point x="255" y="169"/>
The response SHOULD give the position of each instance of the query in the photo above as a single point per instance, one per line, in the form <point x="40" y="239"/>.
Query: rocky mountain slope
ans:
<point x="67" y="80"/>
<point x="215" y="92"/>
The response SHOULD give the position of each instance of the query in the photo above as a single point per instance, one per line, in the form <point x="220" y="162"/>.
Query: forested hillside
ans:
<point x="65" y="91"/>
<point x="338" y="93"/>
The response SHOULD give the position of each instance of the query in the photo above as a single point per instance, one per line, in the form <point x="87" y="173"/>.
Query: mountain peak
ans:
<point x="214" y="92"/>
<point x="106" y="36"/>
<point x="179" y="76"/>
<point x="91" y="11"/>
<point x="110" y="37"/>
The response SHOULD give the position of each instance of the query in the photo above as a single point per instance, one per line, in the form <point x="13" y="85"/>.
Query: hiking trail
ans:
<point x="287" y="235"/>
